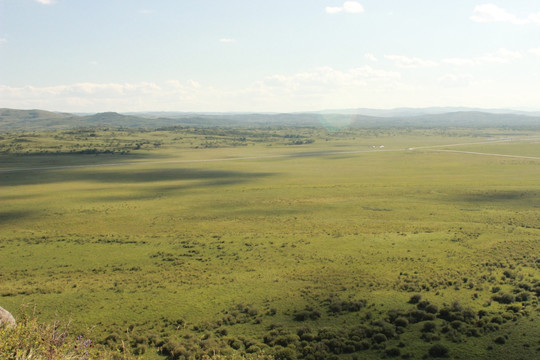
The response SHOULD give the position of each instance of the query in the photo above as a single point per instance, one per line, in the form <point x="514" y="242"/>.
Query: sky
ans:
<point x="268" y="55"/>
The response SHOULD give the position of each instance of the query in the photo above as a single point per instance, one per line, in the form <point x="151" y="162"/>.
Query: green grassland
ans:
<point x="284" y="242"/>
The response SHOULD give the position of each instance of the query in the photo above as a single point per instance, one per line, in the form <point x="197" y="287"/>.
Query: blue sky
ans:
<point x="262" y="55"/>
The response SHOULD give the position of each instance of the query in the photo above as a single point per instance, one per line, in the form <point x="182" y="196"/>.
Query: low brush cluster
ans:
<point x="31" y="339"/>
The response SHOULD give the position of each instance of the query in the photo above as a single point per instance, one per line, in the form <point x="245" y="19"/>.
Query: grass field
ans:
<point x="294" y="243"/>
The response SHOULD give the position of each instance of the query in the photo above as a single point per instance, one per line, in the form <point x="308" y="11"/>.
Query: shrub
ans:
<point x="392" y="352"/>
<point x="253" y="349"/>
<point x="401" y="321"/>
<point x="337" y="306"/>
<point x="384" y="328"/>
<point x="522" y="297"/>
<point x="306" y="314"/>
<point x="525" y="286"/>
<point x="379" y="338"/>
<point x="429" y="337"/>
<point x="429" y="327"/>
<point x="468" y="314"/>
<point x="417" y="315"/>
<point x="422" y="305"/>
<point x="415" y="299"/>
<point x="222" y="332"/>
<point x="509" y="274"/>
<point x="32" y="339"/>
<point x="438" y="350"/>
<point x="140" y="349"/>
<point x="504" y="298"/>
<point x="456" y="324"/>
<point x="285" y="354"/>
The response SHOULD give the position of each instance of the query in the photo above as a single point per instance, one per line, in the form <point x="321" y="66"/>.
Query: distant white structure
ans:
<point x="381" y="147"/>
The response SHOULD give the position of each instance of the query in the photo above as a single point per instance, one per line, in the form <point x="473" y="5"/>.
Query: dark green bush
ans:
<point x="392" y="352"/>
<point x="509" y="274"/>
<point x="422" y="305"/>
<point x="401" y="321"/>
<point x="429" y="326"/>
<point x="523" y="297"/>
<point x="307" y="314"/>
<point x="379" y="338"/>
<point x="504" y="298"/>
<point x="415" y="299"/>
<point x="417" y="315"/>
<point x="285" y="354"/>
<point x="337" y="306"/>
<point x="456" y="324"/>
<point x="438" y="350"/>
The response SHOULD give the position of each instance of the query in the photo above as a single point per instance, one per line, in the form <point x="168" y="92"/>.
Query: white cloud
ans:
<point x="321" y="87"/>
<point x="500" y="56"/>
<point x="46" y="2"/>
<point x="535" y="51"/>
<point x="146" y="11"/>
<point x="3" y="41"/>
<point x="353" y="7"/>
<point x="492" y="13"/>
<point x="333" y="9"/>
<point x="227" y="40"/>
<point x="535" y="18"/>
<point x="455" y="80"/>
<point x="459" y="61"/>
<point x="410" y="62"/>
<point x="370" y="56"/>
<point x="327" y="77"/>
<point x="93" y="97"/>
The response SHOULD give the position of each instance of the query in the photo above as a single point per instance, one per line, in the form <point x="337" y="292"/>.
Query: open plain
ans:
<point x="284" y="242"/>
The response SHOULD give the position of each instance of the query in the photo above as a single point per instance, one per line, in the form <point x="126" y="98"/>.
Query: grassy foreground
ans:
<point x="289" y="243"/>
<point x="31" y="339"/>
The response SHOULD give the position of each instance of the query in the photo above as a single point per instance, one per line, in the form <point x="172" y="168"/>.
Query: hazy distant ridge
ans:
<point x="34" y="120"/>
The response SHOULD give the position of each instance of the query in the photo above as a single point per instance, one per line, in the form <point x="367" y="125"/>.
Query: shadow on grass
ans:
<point x="13" y="162"/>
<point x="497" y="196"/>
<point x="155" y="175"/>
<point x="157" y="190"/>
<point x="8" y="216"/>
<point x="128" y="175"/>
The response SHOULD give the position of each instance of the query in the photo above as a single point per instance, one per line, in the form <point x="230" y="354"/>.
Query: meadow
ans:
<point x="278" y="242"/>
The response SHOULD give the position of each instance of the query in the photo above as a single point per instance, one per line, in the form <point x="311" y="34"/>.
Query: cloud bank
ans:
<point x="353" y="7"/>
<point x="492" y="13"/>
<point x="325" y="86"/>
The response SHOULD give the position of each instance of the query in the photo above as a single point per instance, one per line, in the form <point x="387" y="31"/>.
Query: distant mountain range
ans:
<point x="37" y="120"/>
<point x="408" y="112"/>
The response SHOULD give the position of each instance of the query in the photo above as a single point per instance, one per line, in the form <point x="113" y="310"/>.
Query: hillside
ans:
<point x="469" y="119"/>
<point x="36" y="120"/>
<point x="16" y="120"/>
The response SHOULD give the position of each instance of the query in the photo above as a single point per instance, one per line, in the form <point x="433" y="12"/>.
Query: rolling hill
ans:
<point x="38" y="120"/>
